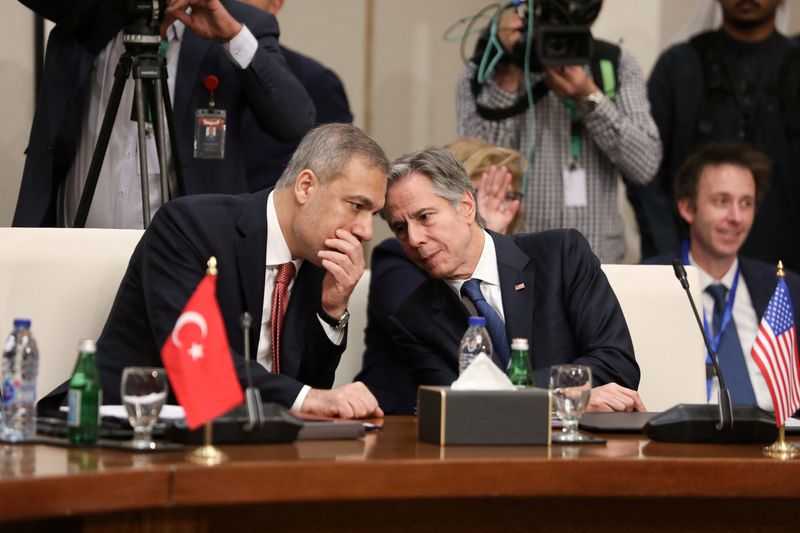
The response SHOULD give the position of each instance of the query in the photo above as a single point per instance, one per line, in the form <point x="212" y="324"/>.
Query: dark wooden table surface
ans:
<point x="390" y="481"/>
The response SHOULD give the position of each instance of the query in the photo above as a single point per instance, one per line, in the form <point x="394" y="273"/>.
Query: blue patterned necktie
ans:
<point x="497" y="328"/>
<point x="729" y="351"/>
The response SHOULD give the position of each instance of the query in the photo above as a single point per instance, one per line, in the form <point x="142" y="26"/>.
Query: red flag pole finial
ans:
<point x="212" y="266"/>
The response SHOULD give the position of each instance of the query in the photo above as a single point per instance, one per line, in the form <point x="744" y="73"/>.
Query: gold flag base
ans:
<point x="780" y="449"/>
<point x="208" y="454"/>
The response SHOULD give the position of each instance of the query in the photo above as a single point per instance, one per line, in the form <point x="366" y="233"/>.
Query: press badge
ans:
<point x="209" y="126"/>
<point x="209" y="134"/>
<point x="574" y="187"/>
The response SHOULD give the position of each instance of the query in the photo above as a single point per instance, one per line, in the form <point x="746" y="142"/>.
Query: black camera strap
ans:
<point x="518" y="107"/>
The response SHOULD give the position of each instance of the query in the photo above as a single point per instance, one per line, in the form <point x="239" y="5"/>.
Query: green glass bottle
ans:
<point x="519" y="370"/>
<point x="84" y="397"/>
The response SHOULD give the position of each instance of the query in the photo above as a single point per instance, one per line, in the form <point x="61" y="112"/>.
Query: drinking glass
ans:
<point x="571" y="386"/>
<point x="143" y="391"/>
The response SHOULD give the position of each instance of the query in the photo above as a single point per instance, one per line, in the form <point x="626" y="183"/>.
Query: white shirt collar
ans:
<point x="277" y="249"/>
<point x="706" y="279"/>
<point x="485" y="270"/>
<point x="175" y="30"/>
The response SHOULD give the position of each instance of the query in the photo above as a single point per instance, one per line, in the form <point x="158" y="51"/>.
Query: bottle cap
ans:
<point x="87" y="345"/>
<point x="22" y="322"/>
<point x="477" y="321"/>
<point x="519" y="344"/>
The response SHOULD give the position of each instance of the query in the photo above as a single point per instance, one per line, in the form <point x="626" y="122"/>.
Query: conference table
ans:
<point x="390" y="481"/>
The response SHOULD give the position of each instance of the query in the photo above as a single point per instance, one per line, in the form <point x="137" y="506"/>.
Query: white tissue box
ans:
<point x="474" y="417"/>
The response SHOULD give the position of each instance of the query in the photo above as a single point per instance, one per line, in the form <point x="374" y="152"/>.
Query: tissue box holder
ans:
<point x="475" y="417"/>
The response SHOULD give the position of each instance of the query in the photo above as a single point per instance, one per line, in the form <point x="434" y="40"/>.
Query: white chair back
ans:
<point x="668" y="345"/>
<point x="65" y="281"/>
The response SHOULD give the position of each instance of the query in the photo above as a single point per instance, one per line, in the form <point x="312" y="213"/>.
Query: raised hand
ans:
<point x="569" y="82"/>
<point x="496" y="211"/>
<point x="208" y="19"/>
<point x="344" y="263"/>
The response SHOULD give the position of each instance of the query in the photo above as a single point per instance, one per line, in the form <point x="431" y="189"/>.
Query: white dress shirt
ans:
<point x="744" y="316"/>
<point x="117" y="201"/>
<point x="277" y="254"/>
<point x="486" y="271"/>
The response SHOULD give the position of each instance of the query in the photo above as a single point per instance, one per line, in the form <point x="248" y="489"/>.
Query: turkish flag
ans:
<point x="198" y="361"/>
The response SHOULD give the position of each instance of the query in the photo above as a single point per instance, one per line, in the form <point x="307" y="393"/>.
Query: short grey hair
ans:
<point x="448" y="176"/>
<point x="326" y="150"/>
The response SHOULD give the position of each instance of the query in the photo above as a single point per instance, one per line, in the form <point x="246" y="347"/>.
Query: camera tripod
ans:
<point x="151" y="95"/>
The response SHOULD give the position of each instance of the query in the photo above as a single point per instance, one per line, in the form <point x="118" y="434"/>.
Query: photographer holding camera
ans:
<point x="584" y="138"/>
<point x="221" y="55"/>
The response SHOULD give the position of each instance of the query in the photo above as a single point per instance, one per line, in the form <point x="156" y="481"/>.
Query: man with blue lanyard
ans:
<point x="718" y="189"/>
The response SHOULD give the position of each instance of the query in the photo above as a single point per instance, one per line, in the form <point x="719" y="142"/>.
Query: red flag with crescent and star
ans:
<point x="197" y="357"/>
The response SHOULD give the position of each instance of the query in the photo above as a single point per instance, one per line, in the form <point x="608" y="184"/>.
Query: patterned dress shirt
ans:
<point x="620" y="140"/>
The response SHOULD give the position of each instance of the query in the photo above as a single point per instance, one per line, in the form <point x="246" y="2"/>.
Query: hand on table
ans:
<point x="614" y="398"/>
<point x="353" y="400"/>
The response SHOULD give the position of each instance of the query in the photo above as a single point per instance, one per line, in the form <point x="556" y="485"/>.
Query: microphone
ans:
<point x="724" y="395"/>
<point x="700" y="423"/>
<point x="255" y="409"/>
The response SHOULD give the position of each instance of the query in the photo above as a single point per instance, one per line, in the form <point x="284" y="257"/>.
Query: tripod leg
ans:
<point x="121" y="74"/>
<point x="173" y="138"/>
<point x="140" y="122"/>
<point x="161" y="141"/>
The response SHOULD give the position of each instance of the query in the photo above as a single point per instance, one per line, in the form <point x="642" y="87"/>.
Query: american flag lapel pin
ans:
<point x="519" y="286"/>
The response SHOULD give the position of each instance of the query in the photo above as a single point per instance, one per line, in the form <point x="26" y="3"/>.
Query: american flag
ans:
<point x="775" y="352"/>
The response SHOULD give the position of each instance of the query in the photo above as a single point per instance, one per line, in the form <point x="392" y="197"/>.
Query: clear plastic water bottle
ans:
<point x="20" y="365"/>
<point x="475" y="341"/>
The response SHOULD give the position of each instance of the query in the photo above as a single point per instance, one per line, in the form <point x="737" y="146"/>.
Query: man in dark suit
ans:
<point x="252" y="76"/>
<point x="546" y="287"/>
<point x="392" y="279"/>
<point x="718" y="189"/>
<point x="313" y="223"/>
<point x="265" y="155"/>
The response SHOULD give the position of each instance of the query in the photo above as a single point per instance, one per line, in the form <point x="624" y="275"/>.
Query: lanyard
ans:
<point x="575" y="129"/>
<point x="726" y="316"/>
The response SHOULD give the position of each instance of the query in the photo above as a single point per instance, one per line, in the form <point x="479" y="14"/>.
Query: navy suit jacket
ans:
<point x="759" y="277"/>
<point x="566" y="309"/>
<point x="266" y="155"/>
<point x="394" y="277"/>
<point x="168" y="264"/>
<point x="266" y="87"/>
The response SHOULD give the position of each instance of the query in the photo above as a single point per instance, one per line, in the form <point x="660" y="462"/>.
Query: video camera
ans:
<point x="142" y="18"/>
<point x="561" y="31"/>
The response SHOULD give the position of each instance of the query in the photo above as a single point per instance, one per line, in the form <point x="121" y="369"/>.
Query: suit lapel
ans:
<point x="187" y="80"/>
<point x="251" y="250"/>
<point x="760" y="285"/>
<point x="448" y="311"/>
<point x="516" y="287"/>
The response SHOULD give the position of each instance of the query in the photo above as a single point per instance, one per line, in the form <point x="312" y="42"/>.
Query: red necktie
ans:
<point x="280" y="299"/>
